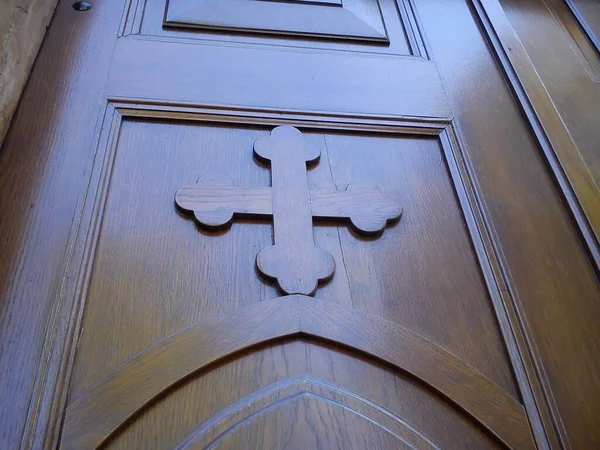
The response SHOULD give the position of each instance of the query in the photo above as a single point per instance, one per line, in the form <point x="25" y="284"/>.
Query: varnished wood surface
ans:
<point x="44" y="164"/>
<point x="98" y="412"/>
<point x="147" y="18"/>
<point x="487" y="262"/>
<point x="355" y="19"/>
<point x="272" y="79"/>
<point x="588" y="15"/>
<point x="215" y="200"/>
<point x="294" y="260"/>
<point x="134" y="181"/>
<point x="568" y="68"/>
<point x="568" y="97"/>
<point x="270" y="399"/>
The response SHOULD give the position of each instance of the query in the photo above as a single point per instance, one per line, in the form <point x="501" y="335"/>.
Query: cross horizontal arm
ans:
<point x="364" y="204"/>
<point x="215" y="199"/>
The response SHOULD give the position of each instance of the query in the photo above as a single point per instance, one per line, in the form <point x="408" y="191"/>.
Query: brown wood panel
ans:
<point x="547" y="266"/>
<point x="387" y="86"/>
<point x="564" y="152"/>
<point x="454" y="328"/>
<point x="315" y="421"/>
<point x="565" y="98"/>
<point x="403" y="35"/>
<point x="293" y="261"/>
<point x="355" y="19"/>
<point x="239" y="415"/>
<point x="294" y="367"/>
<point x="220" y="149"/>
<point x="44" y="163"/>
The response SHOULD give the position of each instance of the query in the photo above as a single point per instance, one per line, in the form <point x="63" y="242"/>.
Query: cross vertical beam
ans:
<point x="294" y="260"/>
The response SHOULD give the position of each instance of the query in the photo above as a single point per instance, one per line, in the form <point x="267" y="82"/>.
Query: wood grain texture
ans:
<point x="45" y="161"/>
<point x="355" y="19"/>
<point x="241" y="413"/>
<point x="580" y="172"/>
<point x="215" y="200"/>
<point x="525" y="249"/>
<point x="104" y="263"/>
<point x="551" y="353"/>
<point x="573" y="35"/>
<point x="145" y="184"/>
<point x="101" y="410"/>
<point x="389" y="87"/>
<point x="401" y="28"/>
<point x="315" y="420"/>
<point x="588" y="15"/>
<point x="294" y="261"/>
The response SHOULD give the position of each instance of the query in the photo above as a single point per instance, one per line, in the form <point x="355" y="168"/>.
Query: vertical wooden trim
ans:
<point x="586" y="28"/>
<point x="509" y="312"/>
<point x="51" y="385"/>
<point x="576" y="182"/>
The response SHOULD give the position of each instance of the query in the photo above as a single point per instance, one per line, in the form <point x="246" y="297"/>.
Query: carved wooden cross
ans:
<point x="294" y="261"/>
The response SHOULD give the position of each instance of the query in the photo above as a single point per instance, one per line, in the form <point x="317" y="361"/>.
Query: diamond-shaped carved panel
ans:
<point x="352" y="19"/>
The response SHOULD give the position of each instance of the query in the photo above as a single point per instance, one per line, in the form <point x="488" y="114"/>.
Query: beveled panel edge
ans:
<point x="583" y="48"/>
<point x="132" y="21"/>
<point x="51" y="388"/>
<point x="129" y="107"/>
<point x="580" y="191"/>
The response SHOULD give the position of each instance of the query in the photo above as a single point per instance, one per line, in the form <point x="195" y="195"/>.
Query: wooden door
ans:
<point x="324" y="224"/>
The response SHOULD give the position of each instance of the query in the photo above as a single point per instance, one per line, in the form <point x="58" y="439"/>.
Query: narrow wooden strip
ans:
<point x="93" y="417"/>
<point x="215" y="206"/>
<point x="294" y="260"/>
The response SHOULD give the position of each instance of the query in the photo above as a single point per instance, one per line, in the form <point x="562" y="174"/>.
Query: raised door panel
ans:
<point x="382" y="26"/>
<point x="354" y="19"/>
<point x="167" y="299"/>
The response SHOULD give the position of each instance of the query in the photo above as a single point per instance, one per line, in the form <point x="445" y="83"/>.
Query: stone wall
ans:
<point x="23" y="25"/>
